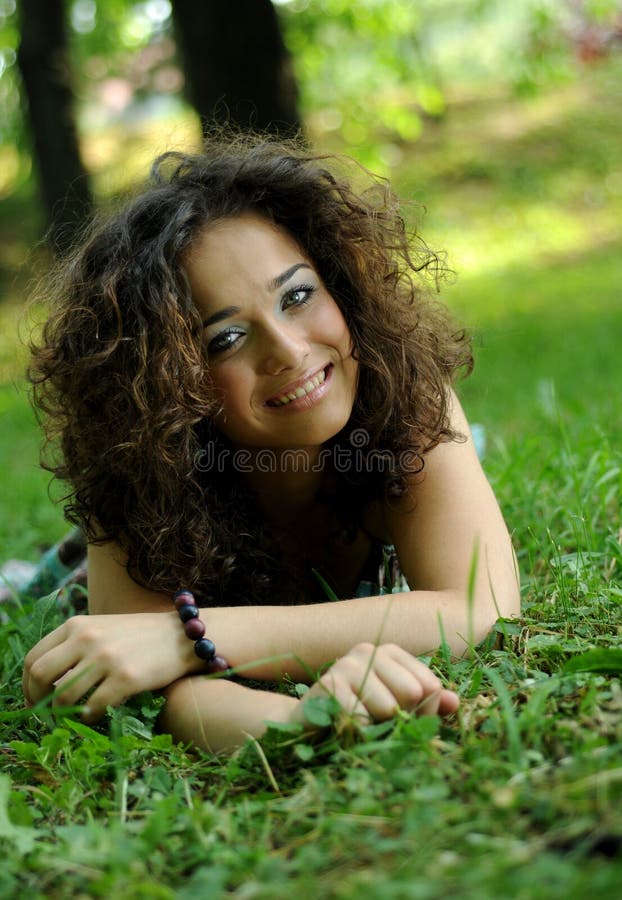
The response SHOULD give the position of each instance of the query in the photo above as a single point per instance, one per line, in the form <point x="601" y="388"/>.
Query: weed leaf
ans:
<point x="601" y="659"/>
<point x="21" y="837"/>
<point x="321" y="711"/>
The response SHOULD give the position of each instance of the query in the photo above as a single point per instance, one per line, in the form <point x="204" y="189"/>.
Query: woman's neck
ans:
<point x="286" y="483"/>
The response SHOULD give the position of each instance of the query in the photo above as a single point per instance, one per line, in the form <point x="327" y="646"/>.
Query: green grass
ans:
<point x="521" y="795"/>
<point x="28" y="518"/>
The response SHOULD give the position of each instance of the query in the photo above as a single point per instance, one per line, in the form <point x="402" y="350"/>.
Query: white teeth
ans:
<point x="302" y="391"/>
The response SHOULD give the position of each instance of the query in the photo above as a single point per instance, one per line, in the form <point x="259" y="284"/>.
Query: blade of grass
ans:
<point x="515" y="748"/>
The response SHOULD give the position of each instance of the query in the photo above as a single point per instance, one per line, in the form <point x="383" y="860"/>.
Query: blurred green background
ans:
<point x="502" y="120"/>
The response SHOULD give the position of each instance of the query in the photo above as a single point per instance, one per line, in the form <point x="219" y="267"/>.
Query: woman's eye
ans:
<point x="298" y="296"/>
<point x="224" y="341"/>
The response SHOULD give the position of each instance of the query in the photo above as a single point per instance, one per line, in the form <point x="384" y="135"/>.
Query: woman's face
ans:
<point x="278" y="346"/>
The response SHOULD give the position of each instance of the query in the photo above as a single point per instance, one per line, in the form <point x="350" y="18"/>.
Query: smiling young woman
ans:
<point x="251" y="386"/>
<point x="281" y="357"/>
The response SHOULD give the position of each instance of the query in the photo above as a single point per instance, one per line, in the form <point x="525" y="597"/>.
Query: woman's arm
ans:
<point x="447" y="523"/>
<point x="371" y="683"/>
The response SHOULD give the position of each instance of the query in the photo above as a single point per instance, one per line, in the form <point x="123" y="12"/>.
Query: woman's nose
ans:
<point x="283" y="347"/>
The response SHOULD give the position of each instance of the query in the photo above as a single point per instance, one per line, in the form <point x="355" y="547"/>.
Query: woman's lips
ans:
<point x="304" y="392"/>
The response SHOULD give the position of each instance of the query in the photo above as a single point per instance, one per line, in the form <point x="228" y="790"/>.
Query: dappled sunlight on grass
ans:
<point x="511" y="182"/>
<point x="547" y="344"/>
<point x="483" y="235"/>
<point x="27" y="517"/>
<point x="527" y="200"/>
<point x="585" y="282"/>
<point x="20" y="313"/>
<point x="13" y="352"/>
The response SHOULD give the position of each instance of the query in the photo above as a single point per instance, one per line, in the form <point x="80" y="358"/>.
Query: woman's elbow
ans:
<point x="180" y="714"/>
<point x="500" y="601"/>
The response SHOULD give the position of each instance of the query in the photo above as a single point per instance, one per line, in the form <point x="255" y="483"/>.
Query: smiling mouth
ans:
<point x="302" y="390"/>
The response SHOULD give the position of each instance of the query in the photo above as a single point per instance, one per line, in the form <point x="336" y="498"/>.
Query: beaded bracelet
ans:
<point x="205" y="649"/>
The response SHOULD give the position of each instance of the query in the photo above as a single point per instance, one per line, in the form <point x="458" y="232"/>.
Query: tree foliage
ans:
<point x="378" y="70"/>
<point x="364" y="67"/>
<point x="373" y="71"/>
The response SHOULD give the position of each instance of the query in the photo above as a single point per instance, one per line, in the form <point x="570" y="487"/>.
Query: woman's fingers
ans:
<point x="374" y="682"/>
<point x="71" y="656"/>
<point x="448" y="703"/>
<point x="333" y="684"/>
<point x="103" y="696"/>
<point x="76" y="684"/>
<point x="365" y="693"/>
<point x="47" y="662"/>
<point x="424" y="694"/>
<point x="409" y="681"/>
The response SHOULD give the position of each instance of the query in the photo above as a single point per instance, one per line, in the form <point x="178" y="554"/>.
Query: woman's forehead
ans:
<point x="247" y="249"/>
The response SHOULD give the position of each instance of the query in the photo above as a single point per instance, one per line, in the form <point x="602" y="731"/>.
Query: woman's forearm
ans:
<point x="122" y="654"/>
<point x="217" y="714"/>
<point x="299" y="640"/>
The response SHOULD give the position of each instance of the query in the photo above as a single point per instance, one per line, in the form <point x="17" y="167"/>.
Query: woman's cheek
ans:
<point x="229" y="381"/>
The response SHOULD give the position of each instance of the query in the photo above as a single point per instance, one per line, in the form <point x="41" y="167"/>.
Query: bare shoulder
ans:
<point x="111" y="590"/>
<point x="449" y="517"/>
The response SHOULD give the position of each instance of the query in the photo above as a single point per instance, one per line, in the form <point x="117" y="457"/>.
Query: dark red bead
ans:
<point x="183" y="598"/>
<point x="205" y="649"/>
<point x="188" y="612"/>
<point x="195" y="629"/>
<point x="218" y="664"/>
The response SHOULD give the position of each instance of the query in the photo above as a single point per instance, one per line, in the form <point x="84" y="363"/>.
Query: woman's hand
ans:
<point x="374" y="682"/>
<point x="114" y="656"/>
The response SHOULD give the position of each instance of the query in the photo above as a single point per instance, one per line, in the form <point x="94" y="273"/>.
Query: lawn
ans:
<point x="521" y="794"/>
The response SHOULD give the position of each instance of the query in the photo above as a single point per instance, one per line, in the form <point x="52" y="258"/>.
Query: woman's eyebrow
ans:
<point x="280" y="280"/>
<point x="220" y="315"/>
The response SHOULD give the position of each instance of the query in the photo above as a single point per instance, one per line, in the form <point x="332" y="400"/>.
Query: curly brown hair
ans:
<point x="121" y="377"/>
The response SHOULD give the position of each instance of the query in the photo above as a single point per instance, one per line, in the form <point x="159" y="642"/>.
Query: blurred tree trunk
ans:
<point x="237" y="67"/>
<point x="43" y="59"/>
